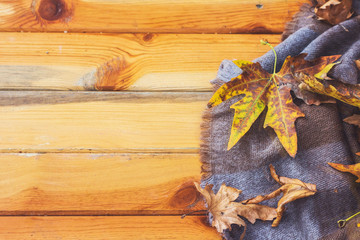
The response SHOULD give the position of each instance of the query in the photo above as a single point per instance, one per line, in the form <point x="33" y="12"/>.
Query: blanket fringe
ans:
<point x="205" y="138"/>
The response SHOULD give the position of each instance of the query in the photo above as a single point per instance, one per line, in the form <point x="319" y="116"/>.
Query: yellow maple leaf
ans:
<point x="262" y="89"/>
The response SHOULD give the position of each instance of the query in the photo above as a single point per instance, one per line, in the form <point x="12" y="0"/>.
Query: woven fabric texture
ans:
<point x="322" y="137"/>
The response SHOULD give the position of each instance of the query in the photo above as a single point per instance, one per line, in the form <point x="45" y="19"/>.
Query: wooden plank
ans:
<point x="191" y="16"/>
<point x="136" y="62"/>
<point x="87" y="228"/>
<point x="99" y="184"/>
<point x="58" y="121"/>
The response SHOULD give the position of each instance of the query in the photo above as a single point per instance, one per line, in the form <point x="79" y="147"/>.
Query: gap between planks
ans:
<point x="103" y="150"/>
<point x="104" y="213"/>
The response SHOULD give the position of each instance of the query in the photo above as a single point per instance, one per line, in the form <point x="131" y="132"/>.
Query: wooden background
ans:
<point x="101" y="104"/>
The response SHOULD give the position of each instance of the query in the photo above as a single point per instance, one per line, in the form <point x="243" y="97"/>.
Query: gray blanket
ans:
<point x="322" y="137"/>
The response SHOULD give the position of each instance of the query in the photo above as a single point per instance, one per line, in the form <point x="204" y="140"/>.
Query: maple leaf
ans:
<point x="334" y="11"/>
<point x="292" y="190"/>
<point x="353" y="169"/>
<point x="261" y="89"/>
<point x="225" y="211"/>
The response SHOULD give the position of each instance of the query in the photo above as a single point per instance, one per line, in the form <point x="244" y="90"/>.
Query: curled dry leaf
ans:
<point x="344" y="92"/>
<point x="334" y="11"/>
<point x="226" y="212"/>
<point x="292" y="190"/>
<point x="262" y="89"/>
<point x="353" y="169"/>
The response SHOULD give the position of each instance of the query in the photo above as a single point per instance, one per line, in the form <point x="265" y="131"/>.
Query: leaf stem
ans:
<point x="265" y="42"/>
<point x="342" y="222"/>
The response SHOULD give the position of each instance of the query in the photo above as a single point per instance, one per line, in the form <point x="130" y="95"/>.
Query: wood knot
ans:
<point x="52" y="10"/>
<point x="114" y="75"/>
<point x="260" y="29"/>
<point x="148" y="37"/>
<point x="185" y="197"/>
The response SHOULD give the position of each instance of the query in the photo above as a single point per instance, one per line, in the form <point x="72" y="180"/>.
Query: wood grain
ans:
<point x="87" y="228"/>
<point x="114" y="165"/>
<point x="99" y="184"/>
<point x="191" y="16"/>
<point x="100" y="121"/>
<point x="137" y="62"/>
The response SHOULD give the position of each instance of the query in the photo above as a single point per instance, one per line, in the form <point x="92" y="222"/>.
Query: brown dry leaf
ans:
<point x="354" y="119"/>
<point x="226" y="212"/>
<point x="334" y="11"/>
<point x="353" y="169"/>
<point x="292" y="190"/>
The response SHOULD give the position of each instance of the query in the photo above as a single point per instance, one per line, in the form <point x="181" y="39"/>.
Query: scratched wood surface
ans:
<point x="136" y="62"/>
<point x="114" y="154"/>
<point x="176" y="16"/>
<point x="113" y="227"/>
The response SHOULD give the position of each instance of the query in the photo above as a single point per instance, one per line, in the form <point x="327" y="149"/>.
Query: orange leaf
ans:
<point x="353" y="169"/>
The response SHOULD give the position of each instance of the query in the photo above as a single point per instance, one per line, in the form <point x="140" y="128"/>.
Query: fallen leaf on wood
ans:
<point x="292" y="190"/>
<point x="334" y="11"/>
<point x="353" y="169"/>
<point x="226" y="212"/>
<point x="263" y="89"/>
